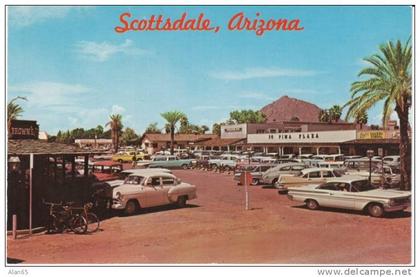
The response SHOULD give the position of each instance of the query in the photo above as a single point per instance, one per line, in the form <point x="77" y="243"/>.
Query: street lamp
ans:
<point x="370" y="154"/>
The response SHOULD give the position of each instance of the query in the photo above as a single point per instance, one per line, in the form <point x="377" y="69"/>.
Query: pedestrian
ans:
<point x="133" y="165"/>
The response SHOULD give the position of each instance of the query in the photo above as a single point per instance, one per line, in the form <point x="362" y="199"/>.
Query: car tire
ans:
<point x="184" y="166"/>
<point x="274" y="182"/>
<point x="182" y="201"/>
<point x="311" y="204"/>
<point x="255" y="182"/>
<point x="376" y="210"/>
<point x="131" y="207"/>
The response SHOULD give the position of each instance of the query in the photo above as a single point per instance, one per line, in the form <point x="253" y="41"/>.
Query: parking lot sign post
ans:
<point x="246" y="179"/>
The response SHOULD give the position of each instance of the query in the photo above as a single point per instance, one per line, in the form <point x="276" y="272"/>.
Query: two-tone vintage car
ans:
<point x="170" y="161"/>
<point x="306" y="176"/>
<point x="272" y="175"/>
<point x="352" y="193"/>
<point x="150" y="189"/>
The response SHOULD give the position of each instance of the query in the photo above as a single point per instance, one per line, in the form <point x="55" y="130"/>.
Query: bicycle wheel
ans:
<point x="78" y="224"/>
<point x="92" y="223"/>
<point x="54" y="225"/>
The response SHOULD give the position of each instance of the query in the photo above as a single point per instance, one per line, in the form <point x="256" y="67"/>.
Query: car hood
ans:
<point x="387" y="193"/>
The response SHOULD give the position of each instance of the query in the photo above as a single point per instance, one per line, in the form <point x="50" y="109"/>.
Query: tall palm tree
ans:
<point x="335" y="113"/>
<point x="172" y="118"/>
<point x="115" y="122"/>
<point x="362" y="118"/>
<point x="324" y="116"/>
<point x="389" y="80"/>
<point x="14" y="111"/>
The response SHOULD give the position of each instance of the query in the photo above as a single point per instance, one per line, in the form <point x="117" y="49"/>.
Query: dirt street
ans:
<point x="215" y="228"/>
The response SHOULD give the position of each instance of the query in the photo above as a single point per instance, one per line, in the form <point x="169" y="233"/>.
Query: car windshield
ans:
<point x="362" y="185"/>
<point x="133" y="180"/>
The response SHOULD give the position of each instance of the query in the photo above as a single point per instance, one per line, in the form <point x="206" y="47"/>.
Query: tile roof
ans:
<point x="28" y="146"/>
<point x="221" y="142"/>
<point x="179" y="137"/>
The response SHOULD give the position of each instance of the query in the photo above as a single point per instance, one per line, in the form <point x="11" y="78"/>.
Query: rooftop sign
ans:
<point x="304" y="137"/>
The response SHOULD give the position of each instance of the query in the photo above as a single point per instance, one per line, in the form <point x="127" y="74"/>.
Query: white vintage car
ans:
<point x="150" y="189"/>
<point x="353" y="193"/>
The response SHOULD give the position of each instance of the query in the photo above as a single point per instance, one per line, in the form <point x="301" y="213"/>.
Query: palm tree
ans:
<point x="116" y="126"/>
<point x="172" y="118"/>
<point x="14" y="111"/>
<point x="335" y="113"/>
<point x="362" y="118"/>
<point x="324" y="116"/>
<point x="389" y="80"/>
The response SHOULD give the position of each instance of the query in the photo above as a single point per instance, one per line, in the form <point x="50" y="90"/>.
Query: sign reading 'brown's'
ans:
<point x="23" y="129"/>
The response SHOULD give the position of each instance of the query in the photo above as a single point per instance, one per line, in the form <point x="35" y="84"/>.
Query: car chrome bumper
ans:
<point x="396" y="208"/>
<point x="117" y="205"/>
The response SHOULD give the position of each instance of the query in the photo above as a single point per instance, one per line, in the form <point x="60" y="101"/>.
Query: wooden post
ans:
<point x="31" y="166"/>
<point x="14" y="226"/>
<point x="86" y="165"/>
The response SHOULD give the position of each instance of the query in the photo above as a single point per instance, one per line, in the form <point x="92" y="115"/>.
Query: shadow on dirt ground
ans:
<point x="390" y="215"/>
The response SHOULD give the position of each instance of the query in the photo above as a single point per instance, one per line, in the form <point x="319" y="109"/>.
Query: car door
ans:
<point x="343" y="197"/>
<point x="326" y="194"/>
<point x="154" y="191"/>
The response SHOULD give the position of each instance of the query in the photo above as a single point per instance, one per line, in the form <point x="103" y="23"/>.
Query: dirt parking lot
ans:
<point x="215" y="228"/>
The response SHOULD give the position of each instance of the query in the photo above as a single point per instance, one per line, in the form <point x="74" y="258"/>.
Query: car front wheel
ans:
<point x="182" y="201"/>
<point x="312" y="204"/>
<point x="376" y="210"/>
<point x="131" y="207"/>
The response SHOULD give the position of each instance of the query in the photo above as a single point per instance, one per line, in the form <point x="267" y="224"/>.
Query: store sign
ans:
<point x="304" y="137"/>
<point x="24" y="129"/>
<point x="372" y="135"/>
<point x="233" y="131"/>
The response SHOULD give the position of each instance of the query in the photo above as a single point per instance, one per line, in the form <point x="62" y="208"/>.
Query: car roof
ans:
<point x="347" y="178"/>
<point x="141" y="170"/>
<point x="153" y="174"/>
<point x="315" y="169"/>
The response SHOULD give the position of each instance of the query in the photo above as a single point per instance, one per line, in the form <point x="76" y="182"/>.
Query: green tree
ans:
<point x="152" y="129"/>
<point x="204" y="128"/>
<point x="115" y="123"/>
<point x="324" y="116"/>
<point x="246" y="116"/>
<point x="172" y="118"/>
<point x="128" y="136"/>
<point x="14" y="111"/>
<point x="216" y="129"/>
<point x="388" y="79"/>
<point x="335" y="113"/>
<point x="362" y="118"/>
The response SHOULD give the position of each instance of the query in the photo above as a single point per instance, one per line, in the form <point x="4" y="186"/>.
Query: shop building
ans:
<point x="38" y="170"/>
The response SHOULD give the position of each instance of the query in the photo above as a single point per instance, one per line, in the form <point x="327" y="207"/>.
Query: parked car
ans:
<point x="102" y="191"/>
<point x="392" y="176"/>
<point x="150" y="189"/>
<point x="106" y="170"/>
<point x="127" y="156"/>
<point x="170" y="162"/>
<point x="272" y="175"/>
<point x="225" y="160"/>
<point x="257" y="172"/>
<point x="392" y="160"/>
<point x="361" y="167"/>
<point x="306" y="176"/>
<point x="353" y="193"/>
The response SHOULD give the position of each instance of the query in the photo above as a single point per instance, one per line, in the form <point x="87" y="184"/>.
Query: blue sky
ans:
<point x="76" y="70"/>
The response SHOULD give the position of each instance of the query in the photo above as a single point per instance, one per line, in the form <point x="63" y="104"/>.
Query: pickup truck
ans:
<point x="170" y="162"/>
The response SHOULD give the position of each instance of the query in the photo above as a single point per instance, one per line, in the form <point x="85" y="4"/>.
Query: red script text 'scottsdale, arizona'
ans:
<point x="237" y="22"/>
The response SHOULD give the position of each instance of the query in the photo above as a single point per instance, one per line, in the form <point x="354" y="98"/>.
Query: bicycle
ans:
<point x="91" y="218"/>
<point x="61" y="218"/>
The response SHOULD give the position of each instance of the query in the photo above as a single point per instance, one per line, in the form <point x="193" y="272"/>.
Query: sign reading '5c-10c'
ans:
<point x="238" y="22"/>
